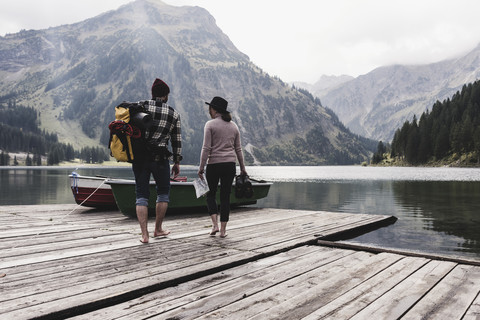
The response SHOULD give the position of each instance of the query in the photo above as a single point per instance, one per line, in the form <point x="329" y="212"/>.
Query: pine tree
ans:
<point x="28" y="161"/>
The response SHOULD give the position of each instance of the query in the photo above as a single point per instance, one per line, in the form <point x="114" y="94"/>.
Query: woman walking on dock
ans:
<point x="221" y="148"/>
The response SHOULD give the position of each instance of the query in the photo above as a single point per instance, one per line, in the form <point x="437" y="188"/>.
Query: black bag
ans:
<point x="243" y="187"/>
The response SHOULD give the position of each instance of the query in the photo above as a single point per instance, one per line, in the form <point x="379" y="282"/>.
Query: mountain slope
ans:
<point x="75" y="75"/>
<point x="324" y="84"/>
<point x="377" y="103"/>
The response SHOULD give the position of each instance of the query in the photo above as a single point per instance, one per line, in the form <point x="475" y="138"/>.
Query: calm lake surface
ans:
<point x="438" y="209"/>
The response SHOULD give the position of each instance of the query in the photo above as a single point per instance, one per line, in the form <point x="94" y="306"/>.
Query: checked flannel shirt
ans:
<point x="166" y="126"/>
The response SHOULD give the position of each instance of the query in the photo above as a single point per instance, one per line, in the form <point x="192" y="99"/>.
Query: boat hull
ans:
<point x="182" y="196"/>
<point x="92" y="192"/>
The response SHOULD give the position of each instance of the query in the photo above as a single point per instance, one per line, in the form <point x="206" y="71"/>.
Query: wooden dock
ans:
<point x="65" y="261"/>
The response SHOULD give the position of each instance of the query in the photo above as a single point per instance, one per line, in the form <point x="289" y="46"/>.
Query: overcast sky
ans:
<point x="301" y="40"/>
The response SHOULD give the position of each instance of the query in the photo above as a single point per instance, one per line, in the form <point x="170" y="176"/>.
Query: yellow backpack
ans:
<point x="122" y="131"/>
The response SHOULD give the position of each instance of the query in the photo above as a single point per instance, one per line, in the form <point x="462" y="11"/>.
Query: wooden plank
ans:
<point x="247" y="290"/>
<point x="206" y="298"/>
<point x="103" y="238"/>
<point x="181" y="295"/>
<point x="62" y="254"/>
<point x="110" y="287"/>
<point x="69" y="261"/>
<point x="300" y="303"/>
<point x="452" y="297"/>
<point x="321" y="282"/>
<point x="473" y="312"/>
<point x="278" y="233"/>
<point x="101" y="271"/>
<point x="402" y="297"/>
<point x="350" y="303"/>
<point x="49" y="239"/>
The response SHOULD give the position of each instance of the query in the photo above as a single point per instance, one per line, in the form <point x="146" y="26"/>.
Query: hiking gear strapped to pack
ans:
<point x="126" y="130"/>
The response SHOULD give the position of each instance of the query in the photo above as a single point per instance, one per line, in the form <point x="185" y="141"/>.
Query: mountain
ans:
<point x="374" y="105"/>
<point x="324" y="84"/>
<point x="75" y="74"/>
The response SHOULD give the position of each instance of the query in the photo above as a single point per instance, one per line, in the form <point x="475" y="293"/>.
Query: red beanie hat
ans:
<point x="159" y="88"/>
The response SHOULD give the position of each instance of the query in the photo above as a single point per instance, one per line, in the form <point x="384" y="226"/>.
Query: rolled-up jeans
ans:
<point x="225" y="173"/>
<point x="160" y="170"/>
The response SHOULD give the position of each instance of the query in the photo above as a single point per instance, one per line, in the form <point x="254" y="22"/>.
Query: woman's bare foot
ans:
<point x="144" y="241"/>
<point x="161" y="233"/>
<point x="214" y="231"/>
<point x="223" y="235"/>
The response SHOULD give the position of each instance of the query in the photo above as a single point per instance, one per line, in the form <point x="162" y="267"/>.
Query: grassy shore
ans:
<point x="21" y="160"/>
<point x="469" y="160"/>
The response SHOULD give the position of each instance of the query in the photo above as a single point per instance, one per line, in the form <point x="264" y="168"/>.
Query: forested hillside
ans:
<point x="451" y="130"/>
<point x="20" y="132"/>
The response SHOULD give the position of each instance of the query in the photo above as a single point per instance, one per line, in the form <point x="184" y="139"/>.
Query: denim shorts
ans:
<point x="160" y="170"/>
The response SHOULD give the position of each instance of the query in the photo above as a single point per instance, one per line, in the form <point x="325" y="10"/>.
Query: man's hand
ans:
<point x="176" y="170"/>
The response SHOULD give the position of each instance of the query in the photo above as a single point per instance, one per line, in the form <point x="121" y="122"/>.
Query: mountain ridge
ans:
<point x="75" y="75"/>
<point x="375" y="104"/>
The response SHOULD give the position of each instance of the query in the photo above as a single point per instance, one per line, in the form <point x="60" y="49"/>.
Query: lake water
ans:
<point x="438" y="209"/>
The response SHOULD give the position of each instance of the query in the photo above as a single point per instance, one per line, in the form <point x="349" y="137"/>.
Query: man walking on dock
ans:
<point x="154" y="159"/>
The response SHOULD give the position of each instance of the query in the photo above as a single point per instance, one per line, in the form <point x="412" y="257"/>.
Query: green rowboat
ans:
<point x="182" y="196"/>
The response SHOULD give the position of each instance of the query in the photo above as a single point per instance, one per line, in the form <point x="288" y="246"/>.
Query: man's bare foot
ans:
<point x="214" y="231"/>
<point x="223" y="235"/>
<point x="161" y="233"/>
<point x="144" y="241"/>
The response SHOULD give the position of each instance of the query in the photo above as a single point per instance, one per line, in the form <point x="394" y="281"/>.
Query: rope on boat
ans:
<point x="80" y="204"/>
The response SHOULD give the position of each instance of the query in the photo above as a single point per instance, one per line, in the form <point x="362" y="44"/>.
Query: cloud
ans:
<point x="301" y="40"/>
<point x="41" y="14"/>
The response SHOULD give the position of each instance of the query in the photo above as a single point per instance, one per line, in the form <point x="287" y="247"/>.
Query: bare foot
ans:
<point x="223" y="235"/>
<point x="214" y="231"/>
<point x="161" y="233"/>
<point x="144" y="241"/>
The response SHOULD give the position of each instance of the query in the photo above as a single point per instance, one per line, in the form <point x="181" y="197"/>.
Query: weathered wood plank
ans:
<point x="181" y="295"/>
<point x="321" y="282"/>
<point x="402" y="297"/>
<point x="113" y="286"/>
<point x="112" y="267"/>
<point x="104" y="238"/>
<point x="473" y="312"/>
<point x="349" y="304"/>
<point x="247" y="291"/>
<point x="71" y="258"/>
<point x="452" y="297"/>
<point x="62" y="254"/>
<point x="306" y="301"/>
<point x="52" y="239"/>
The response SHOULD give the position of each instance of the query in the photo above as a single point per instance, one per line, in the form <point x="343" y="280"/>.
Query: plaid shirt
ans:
<point x="166" y="126"/>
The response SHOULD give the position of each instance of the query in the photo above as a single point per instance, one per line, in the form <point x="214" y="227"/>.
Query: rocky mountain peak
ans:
<point x="75" y="74"/>
<point x="377" y="103"/>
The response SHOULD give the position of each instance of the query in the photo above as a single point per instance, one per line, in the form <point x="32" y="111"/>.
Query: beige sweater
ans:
<point x="221" y="143"/>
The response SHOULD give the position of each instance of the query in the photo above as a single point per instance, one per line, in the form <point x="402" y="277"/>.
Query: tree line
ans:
<point x="20" y="132"/>
<point x="452" y="128"/>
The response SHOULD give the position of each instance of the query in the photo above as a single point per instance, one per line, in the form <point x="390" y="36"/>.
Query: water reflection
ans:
<point x="449" y="208"/>
<point x="28" y="187"/>
<point x="437" y="208"/>
<point x="45" y="185"/>
<point x="437" y="217"/>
